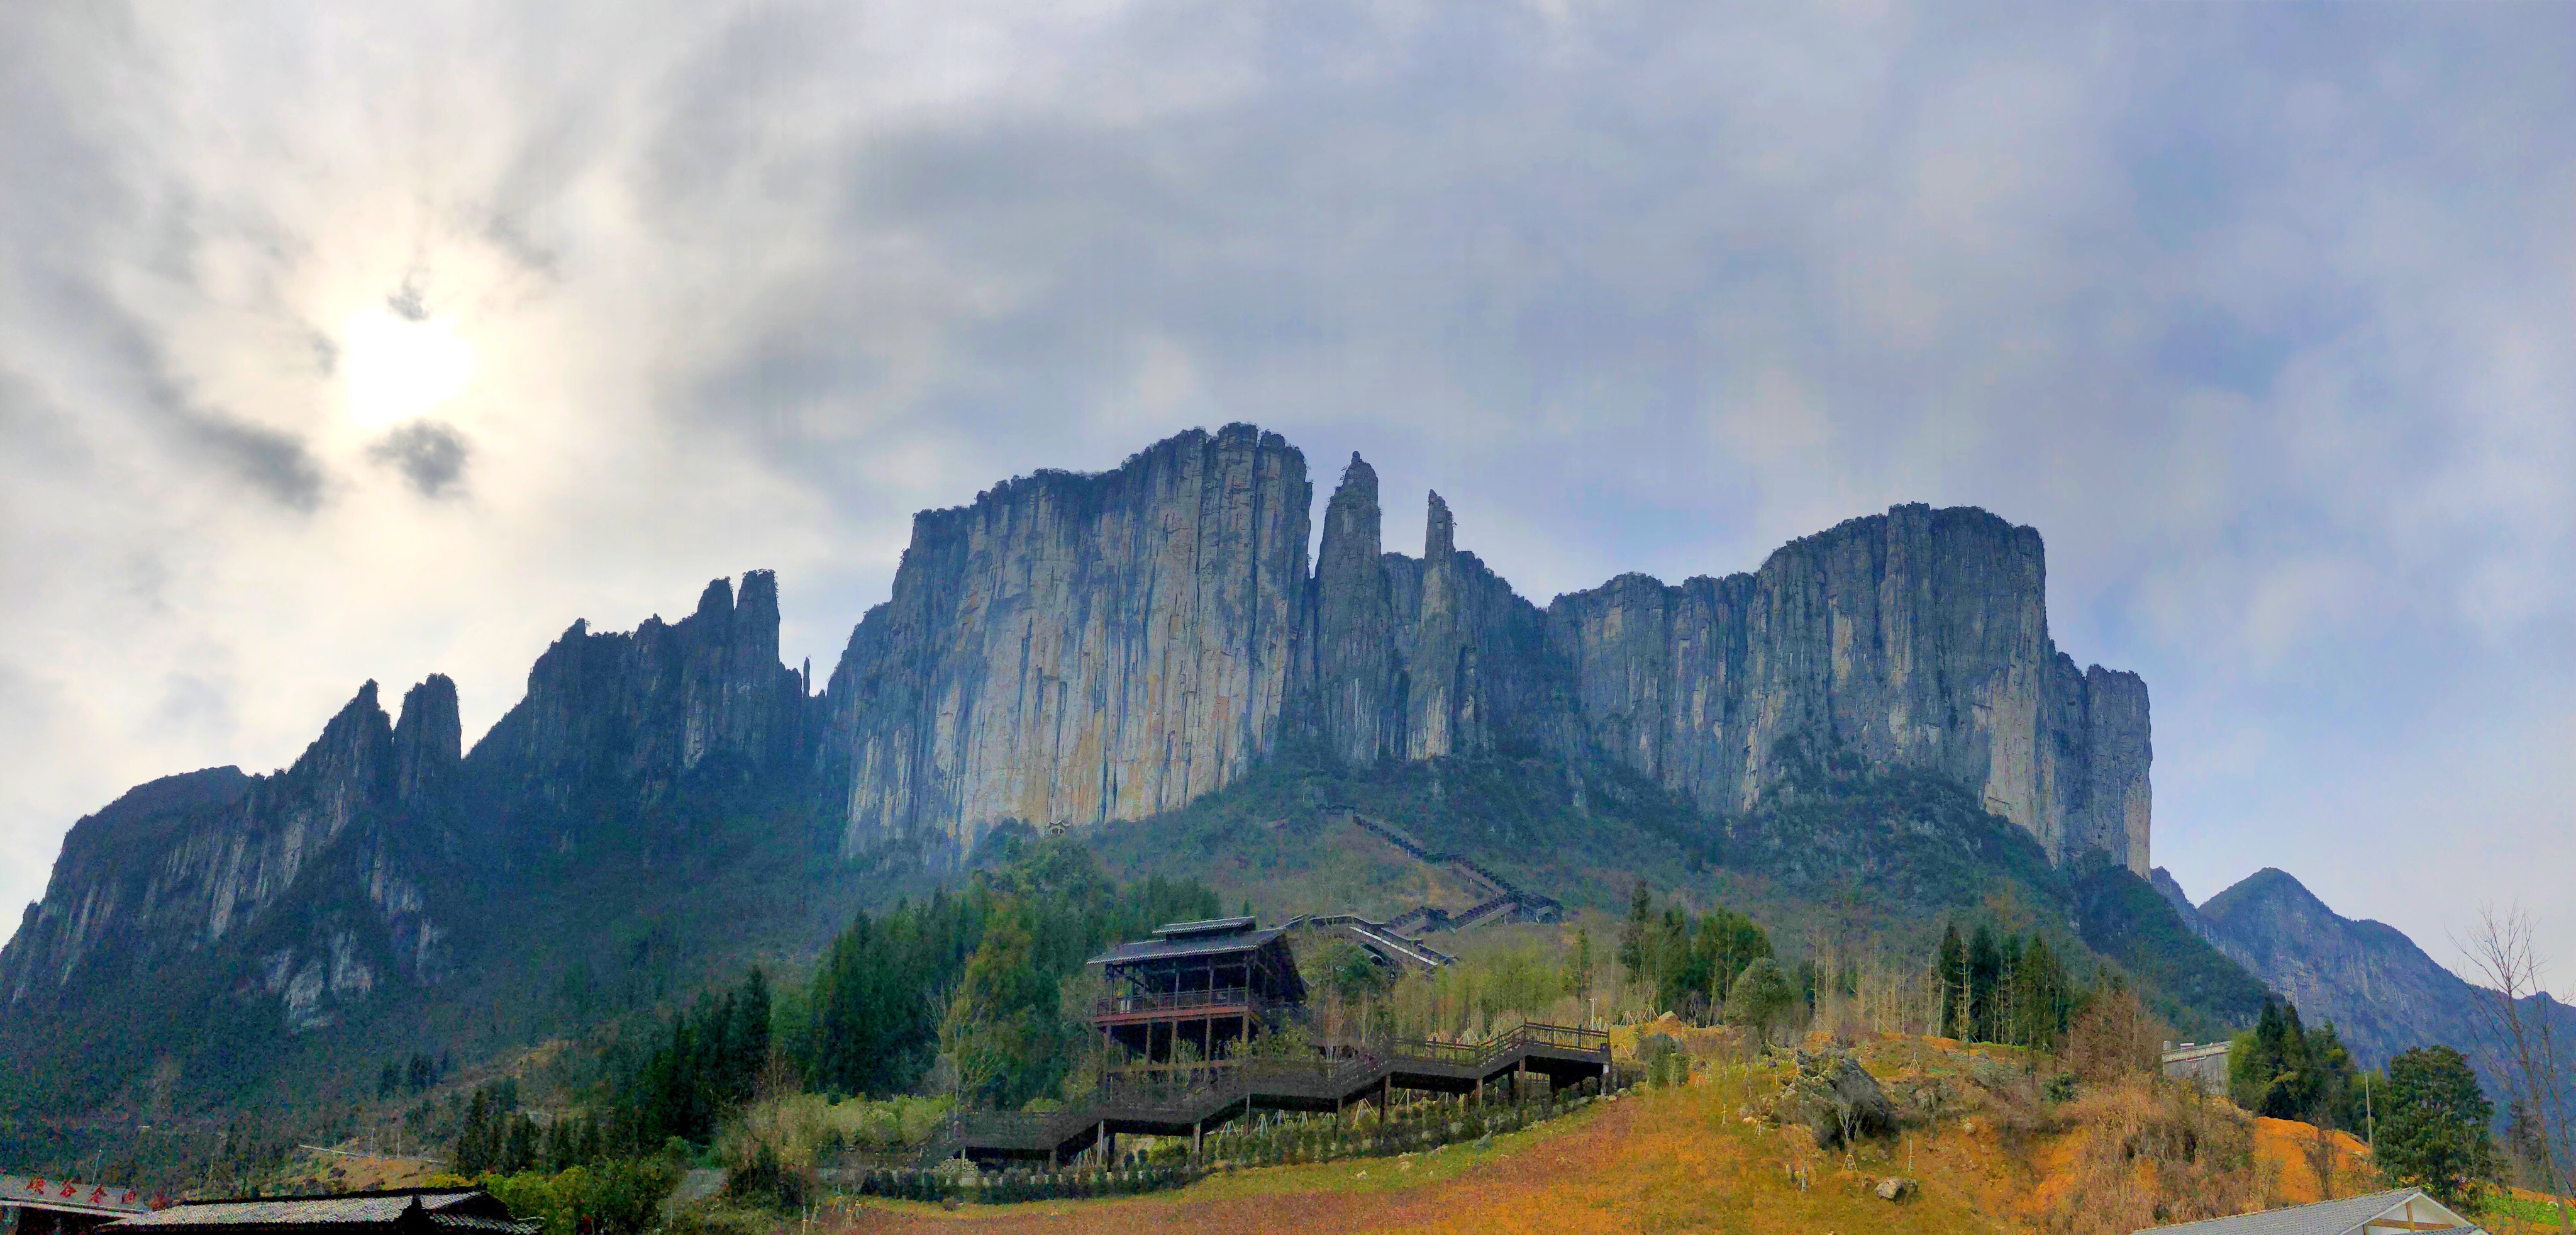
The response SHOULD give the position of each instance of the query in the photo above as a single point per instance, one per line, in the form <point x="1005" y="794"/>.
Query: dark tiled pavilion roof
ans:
<point x="405" y="1209"/>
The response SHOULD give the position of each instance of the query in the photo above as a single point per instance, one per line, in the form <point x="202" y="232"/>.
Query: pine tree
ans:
<point x="1632" y="938"/>
<point x="1985" y="962"/>
<point x="1578" y="966"/>
<point x="1952" y="961"/>
<point x="2433" y="1125"/>
<point x="473" y="1151"/>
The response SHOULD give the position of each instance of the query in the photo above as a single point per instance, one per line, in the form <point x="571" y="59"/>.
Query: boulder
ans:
<point x="1831" y="1093"/>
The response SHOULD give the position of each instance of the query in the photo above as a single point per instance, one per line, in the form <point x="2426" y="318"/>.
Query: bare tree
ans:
<point x="2520" y="1040"/>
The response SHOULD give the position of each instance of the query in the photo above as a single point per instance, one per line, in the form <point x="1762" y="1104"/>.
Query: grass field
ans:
<point x="1674" y="1160"/>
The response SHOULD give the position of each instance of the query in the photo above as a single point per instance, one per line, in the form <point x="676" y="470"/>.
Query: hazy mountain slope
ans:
<point x="2205" y="993"/>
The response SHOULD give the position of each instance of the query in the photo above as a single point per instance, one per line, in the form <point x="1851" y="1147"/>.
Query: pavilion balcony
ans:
<point x="1156" y="1005"/>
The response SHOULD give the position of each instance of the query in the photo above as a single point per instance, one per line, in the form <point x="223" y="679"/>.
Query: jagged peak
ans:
<point x="716" y="600"/>
<point x="1358" y="479"/>
<point x="2268" y="886"/>
<point x="204" y="787"/>
<point x="429" y="709"/>
<point x="1067" y="485"/>
<point x="1439" y="532"/>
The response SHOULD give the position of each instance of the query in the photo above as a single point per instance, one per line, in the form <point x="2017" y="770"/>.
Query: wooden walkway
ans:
<point x="1565" y="1055"/>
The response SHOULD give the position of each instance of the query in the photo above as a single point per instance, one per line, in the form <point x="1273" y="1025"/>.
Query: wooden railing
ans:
<point x="1183" y="1001"/>
<point x="1209" y="1091"/>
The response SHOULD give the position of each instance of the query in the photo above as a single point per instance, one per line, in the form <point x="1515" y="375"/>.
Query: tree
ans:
<point x="1632" y="937"/>
<point x="1761" y="998"/>
<point x="1578" y="966"/>
<point x="478" y="1142"/>
<point x="2115" y="1036"/>
<point x="1000" y="1027"/>
<point x="2519" y="1041"/>
<point x="1952" y="961"/>
<point x="1985" y="962"/>
<point x="2433" y="1125"/>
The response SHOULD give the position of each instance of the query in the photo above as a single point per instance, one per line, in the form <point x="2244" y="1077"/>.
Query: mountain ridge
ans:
<point x="1084" y="649"/>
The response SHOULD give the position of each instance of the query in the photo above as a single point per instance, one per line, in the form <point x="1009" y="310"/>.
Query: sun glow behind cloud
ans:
<point x="398" y="367"/>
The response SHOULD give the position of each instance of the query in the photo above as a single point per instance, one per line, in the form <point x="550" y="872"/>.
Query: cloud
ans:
<point x="2259" y="313"/>
<point x="429" y="455"/>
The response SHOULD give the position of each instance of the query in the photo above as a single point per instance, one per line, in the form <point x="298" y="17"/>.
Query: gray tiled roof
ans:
<point x="1188" y="945"/>
<point x="2322" y="1218"/>
<point x="446" y="1209"/>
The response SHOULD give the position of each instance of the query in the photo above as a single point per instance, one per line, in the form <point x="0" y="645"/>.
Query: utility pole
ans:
<point x="2368" y="1120"/>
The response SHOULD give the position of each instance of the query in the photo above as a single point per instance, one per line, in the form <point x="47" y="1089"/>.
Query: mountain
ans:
<point x="2382" y="992"/>
<point x="1878" y="708"/>
<point x="1083" y="649"/>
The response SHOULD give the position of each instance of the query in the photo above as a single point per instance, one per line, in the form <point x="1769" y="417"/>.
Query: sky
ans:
<point x="345" y="341"/>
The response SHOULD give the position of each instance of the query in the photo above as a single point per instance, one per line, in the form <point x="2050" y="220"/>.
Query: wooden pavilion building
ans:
<point x="1208" y="984"/>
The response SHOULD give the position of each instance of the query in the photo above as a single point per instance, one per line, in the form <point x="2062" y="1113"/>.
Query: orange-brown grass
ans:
<point x="2137" y="1155"/>
<point x="1997" y="1159"/>
<point x="1675" y="1160"/>
<point x="2295" y="1151"/>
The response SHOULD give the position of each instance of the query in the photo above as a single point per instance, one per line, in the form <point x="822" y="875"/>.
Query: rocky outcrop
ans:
<point x="1474" y="672"/>
<point x="1915" y="639"/>
<point x="615" y="720"/>
<point x="1354" y="644"/>
<point x="1072" y="649"/>
<point x="317" y="869"/>
<point x="1834" y="1099"/>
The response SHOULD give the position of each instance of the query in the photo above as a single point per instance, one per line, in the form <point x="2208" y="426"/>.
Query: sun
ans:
<point x="399" y="366"/>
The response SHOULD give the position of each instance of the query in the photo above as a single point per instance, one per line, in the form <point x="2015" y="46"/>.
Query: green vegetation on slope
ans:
<point x="2192" y="984"/>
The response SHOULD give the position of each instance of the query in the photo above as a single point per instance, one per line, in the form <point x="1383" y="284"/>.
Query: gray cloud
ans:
<point x="2260" y="313"/>
<point x="430" y="456"/>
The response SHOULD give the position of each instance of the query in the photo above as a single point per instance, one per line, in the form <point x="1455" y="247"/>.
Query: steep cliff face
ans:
<point x="1077" y="648"/>
<point x="1355" y="668"/>
<point x="316" y="870"/>
<point x="1916" y="639"/>
<point x="1072" y="649"/>
<point x="1473" y="671"/>
<point x="626" y="718"/>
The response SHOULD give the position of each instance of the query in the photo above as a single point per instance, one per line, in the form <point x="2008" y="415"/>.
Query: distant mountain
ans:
<point x="1079" y="651"/>
<point x="2383" y="993"/>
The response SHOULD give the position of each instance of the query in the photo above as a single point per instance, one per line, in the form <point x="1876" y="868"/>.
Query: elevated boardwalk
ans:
<point x="1565" y="1055"/>
<point x="1508" y="901"/>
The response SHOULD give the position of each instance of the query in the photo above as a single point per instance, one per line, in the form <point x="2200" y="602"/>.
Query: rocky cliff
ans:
<point x="317" y="871"/>
<point x="1072" y="649"/>
<point x="614" y="720"/>
<point x="1917" y="639"/>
